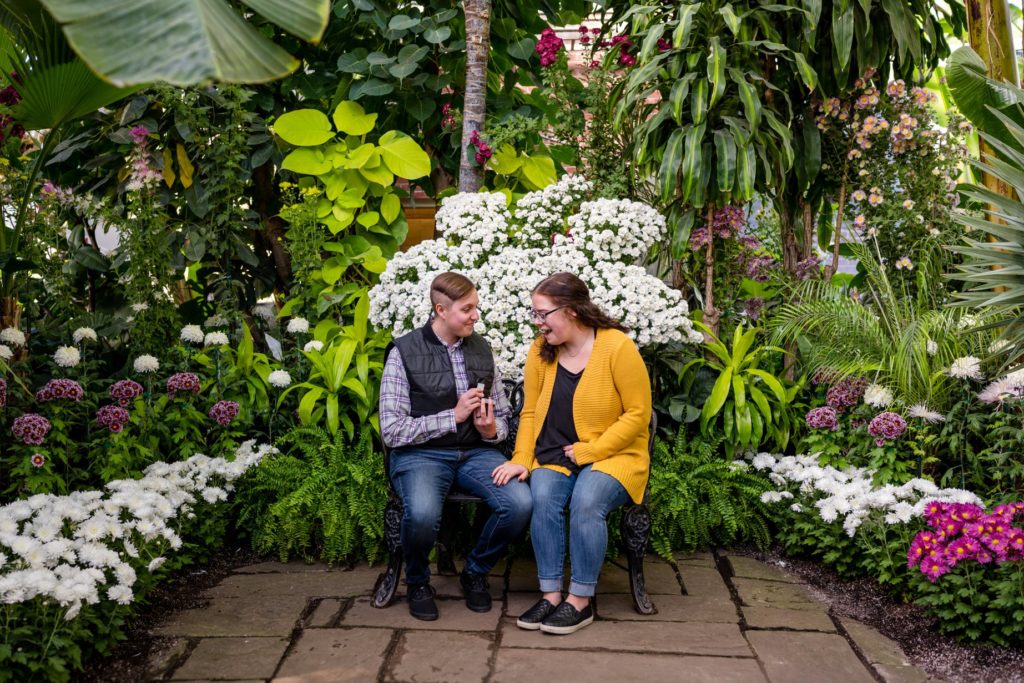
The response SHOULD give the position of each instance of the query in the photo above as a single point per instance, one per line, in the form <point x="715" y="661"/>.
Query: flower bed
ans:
<point x="967" y="567"/>
<point x="71" y="566"/>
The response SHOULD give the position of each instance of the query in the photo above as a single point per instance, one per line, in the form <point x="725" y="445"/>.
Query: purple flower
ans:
<point x="752" y="307"/>
<point x="31" y="428"/>
<point x="224" y="412"/>
<point x="548" y="47"/>
<point x="808" y="268"/>
<point x="846" y="393"/>
<point x="483" y="150"/>
<point x="3" y="393"/>
<point x="887" y="427"/>
<point x="123" y="391"/>
<point x="60" y="389"/>
<point x="182" y="382"/>
<point x="113" y="417"/>
<point x="822" y="418"/>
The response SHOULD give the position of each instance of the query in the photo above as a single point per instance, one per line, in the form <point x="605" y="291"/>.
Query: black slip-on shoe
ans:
<point x="474" y="587"/>
<point x="421" y="602"/>
<point x="567" y="619"/>
<point x="532" y="618"/>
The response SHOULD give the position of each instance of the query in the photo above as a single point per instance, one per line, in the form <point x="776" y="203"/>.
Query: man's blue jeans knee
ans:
<point x="422" y="477"/>
<point x="593" y="496"/>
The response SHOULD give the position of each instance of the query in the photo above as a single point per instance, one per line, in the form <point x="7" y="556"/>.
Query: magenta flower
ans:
<point x="3" y="393"/>
<point x="886" y="427"/>
<point x="548" y="47"/>
<point x="60" y="390"/>
<point x="846" y="393"/>
<point x="822" y="418"/>
<point x="123" y="391"/>
<point x="31" y="428"/>
<point x="224" y="412"/>
<point x="934" y="567"/>
<point x="182" y="382"/>
<point x="113" y="417"/>
<point x="483" y="150"/>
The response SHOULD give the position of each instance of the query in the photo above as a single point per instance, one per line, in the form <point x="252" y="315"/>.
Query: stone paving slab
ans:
<point x="325" y="613"/>
<point x="706" y="560"/>
<point x="449" y="587"/>
<point x="285" y="567"/>
<point x="232" y="658"/>
<point x="268" y="616"/>
<point x="702" y="582"/>
<point x="306" y="584"/>
<point x="660" y="579"/>
<point x="722" y="640"/>
<point x="791" y="657"/>
<point x="442" y="657"/>
<point x="788" y="619"/>
<point x="885" y="655"/>
<point x="454" y="616"/>
<point x="749" y="568"/>
<point x="670" y="608"/>
<point x="517" y="666"/>
<point x="336" y="655"/>
<point x="758" y="593"/>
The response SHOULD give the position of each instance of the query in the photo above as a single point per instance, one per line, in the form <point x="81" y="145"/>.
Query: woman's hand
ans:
<point x="569" y="453"/>
<point x="506" y="472"/>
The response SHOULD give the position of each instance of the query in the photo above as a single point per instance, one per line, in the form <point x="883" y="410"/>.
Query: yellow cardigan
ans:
<point x="611" y="410"/>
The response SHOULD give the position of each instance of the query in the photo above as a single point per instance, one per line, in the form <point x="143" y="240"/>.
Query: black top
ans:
<point x="559" y="429"/>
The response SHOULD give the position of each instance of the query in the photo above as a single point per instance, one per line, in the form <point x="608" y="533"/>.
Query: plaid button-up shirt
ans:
<point x="399" y="428"/>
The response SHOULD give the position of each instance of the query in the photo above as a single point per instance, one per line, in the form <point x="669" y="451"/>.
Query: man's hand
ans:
<point x="483" y="419"/>
<point x="468" y="404"/>
<point x="507" y="471"/>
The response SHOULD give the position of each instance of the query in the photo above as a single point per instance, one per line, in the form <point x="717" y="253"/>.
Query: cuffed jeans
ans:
<point x="422" y="478"/>
<point x="594" y="495"/>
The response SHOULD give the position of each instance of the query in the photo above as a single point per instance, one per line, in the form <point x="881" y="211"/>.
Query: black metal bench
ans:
<point x="635" y="526"/>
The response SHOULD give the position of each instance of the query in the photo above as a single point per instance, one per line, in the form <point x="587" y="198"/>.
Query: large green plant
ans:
<point x="748" y="405"/>
<point x="185" y="42"/>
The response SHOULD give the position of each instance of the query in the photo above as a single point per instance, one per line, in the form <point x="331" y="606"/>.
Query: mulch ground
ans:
<point x="908" y="625"/>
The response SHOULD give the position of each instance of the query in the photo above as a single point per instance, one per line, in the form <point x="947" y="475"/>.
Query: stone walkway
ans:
<point x="292" y="622"/>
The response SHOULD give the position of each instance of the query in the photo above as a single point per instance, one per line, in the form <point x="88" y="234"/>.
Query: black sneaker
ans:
<point x="421" y="602"/>
<point x="567" y="619"/>
<point x="531" y="618"/>
<point x="474" y="587"/>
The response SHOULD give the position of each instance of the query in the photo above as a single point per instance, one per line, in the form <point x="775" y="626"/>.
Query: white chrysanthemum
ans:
<point x="998" y="345"/>
<point x="84" y="333"/>
<point x="968" y="321"/>
<point x="298" y="326"/>
<point x="6" y="354"/>
<point x="67" y="356"/>
<point x="1002" y="389"/>
<point x="313" y="345"/>
<point x="878" y="396"/>
<point x="923" y="412"/>
<point x="932" y="348"/>
<point x="265" y="310"/>
<point x="139" y="308"/>
<point x="146" y="364"/>
<point x="192" y="334"/>
<point x="279" y="378"/>
<point x="215" y="339"/>
<point x="967" y="367"/>
<point x="156" y="563"/>
<point x="12" y="336"/>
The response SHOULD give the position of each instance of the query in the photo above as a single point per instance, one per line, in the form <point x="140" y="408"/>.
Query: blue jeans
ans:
<point x="594" y="495"/>
<point x="422" y="478"/>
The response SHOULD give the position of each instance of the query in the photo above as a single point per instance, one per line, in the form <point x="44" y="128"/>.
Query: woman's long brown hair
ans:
<point x="565" y="289"/>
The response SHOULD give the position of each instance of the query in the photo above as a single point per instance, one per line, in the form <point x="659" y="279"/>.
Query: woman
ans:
<point x="582" y="439"/>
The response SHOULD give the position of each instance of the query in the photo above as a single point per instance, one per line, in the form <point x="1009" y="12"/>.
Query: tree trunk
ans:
<point x="989" y="34"/>
<point x="474" y="108"/>
<point x="267" y="206"/>
<point x="833" y="267"/>
<point x="712" y="316"/>
<point x="808" y="219"/>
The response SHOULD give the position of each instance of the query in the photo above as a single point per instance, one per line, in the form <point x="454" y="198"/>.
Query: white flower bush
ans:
<point x="851" y="493"/>
<point x="298" y="326"/>
<point x="12" y="336"/>
<point x="279" y="379"/>
<point x="507" y="251"/>
<point x="145" y="364"/>
<point x="85" y="547"/>
<point x="67" y="356"/>
<point x="192" y="334"/>
<point x="6" y="353"/>
<point x="84" y="334"/>
<point x="216" y="339"/>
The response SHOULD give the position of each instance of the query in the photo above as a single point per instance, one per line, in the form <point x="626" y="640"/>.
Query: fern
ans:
<point x="322" y="499"/>
<point x="698" y="499"/>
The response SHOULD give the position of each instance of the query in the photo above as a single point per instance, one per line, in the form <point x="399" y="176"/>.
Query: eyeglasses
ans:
<point x="540" y="316"/>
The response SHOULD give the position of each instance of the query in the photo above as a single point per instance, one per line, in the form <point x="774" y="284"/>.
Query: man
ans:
<point x="442" y="429"/>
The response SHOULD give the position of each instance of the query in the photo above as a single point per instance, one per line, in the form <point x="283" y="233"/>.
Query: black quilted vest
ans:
<point x="432" y="380"/>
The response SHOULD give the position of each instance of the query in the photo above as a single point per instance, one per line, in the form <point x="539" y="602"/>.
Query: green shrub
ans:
<point x="699" y="499"/>
<point x="323" y="500"/>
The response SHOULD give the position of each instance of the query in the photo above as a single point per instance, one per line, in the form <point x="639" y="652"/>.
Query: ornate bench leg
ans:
<point x="636" y="531"/>
<point x="387" y="583"/>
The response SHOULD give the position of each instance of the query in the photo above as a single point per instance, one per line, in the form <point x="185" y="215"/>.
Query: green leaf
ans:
<point x="731" y="20"/>
<point x="681" y="35"/>
<point x="185" y="42"/>
<point x="719" y="393"/>
<point x="505" y="160"/>
<point x="807" y="73"/>
<point x="522" y="49"/>
<point x="420" y="108"/>
<point x="402" y="22"/>
<point x="304" y="128"/>
<point x="403" y="156"/>
<point x="842" y="32"/>
<point x="692" y="162"/>
<point x="390" y="207"/>
<point x="350" y="118"/>
<point x="373" y="87"/>
<point x="750" y="99"/>
<point x="538" y="172"/>
<point x="699" y="101"/>
<point x="716" y="70"/>
<point x="746" y="171"/>
<point x="403" y="71"/>
<point x="306" y="161"/>
<point x="725" y="157"/>
<point x="668" y="175"/>
<point x="650" y="43"/>
<point x="437" y="35"/>
<point x="772" y="383"/>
